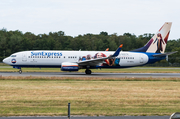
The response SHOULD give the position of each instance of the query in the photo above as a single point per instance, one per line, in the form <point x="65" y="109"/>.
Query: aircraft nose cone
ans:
<point x="5" y="60"/>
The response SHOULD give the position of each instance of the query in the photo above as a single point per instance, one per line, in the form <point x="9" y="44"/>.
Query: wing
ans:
<point x="95" y="62"/>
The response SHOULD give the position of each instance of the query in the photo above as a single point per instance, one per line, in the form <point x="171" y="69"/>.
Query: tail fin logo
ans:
<point x="160" y="42"/>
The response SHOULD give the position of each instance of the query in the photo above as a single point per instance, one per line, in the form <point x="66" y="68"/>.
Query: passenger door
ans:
<point x="141" y="60"/>
<point x="24" y="57"/>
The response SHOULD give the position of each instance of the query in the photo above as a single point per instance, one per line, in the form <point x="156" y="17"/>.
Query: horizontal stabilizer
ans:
<point x="164" y="54"/>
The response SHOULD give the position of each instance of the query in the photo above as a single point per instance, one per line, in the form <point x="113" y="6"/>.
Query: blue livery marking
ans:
<point x="70" y="68"/>
<point x="46" y="53"/>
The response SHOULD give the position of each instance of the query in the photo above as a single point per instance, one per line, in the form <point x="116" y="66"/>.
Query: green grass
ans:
<point x="7" y="68"/>
<point x="113" y="97"/>
<point x="3" y="64"/>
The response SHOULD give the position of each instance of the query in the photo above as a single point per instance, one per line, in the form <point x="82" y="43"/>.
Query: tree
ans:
<point x="104" y="33"/>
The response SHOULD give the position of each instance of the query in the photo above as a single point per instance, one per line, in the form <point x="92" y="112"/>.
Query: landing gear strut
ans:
<point x="20" y="71"/>
<point x="88" y="71"/>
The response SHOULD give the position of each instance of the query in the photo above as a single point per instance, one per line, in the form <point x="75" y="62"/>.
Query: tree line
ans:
<point x="15" y="41"/>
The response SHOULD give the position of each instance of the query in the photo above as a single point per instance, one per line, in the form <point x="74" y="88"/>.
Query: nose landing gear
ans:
<point x="16" y="67"/>
<point x="20" y="71"/>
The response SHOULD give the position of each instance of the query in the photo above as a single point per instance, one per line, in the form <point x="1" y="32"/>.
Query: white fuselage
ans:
<point x="43" y="58"/>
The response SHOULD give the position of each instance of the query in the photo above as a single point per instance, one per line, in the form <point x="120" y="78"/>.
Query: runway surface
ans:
<point x="77" y="74"/>
<point x="115" y="117"/>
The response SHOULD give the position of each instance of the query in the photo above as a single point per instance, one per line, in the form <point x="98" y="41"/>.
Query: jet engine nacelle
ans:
<point x="69" y="66"/>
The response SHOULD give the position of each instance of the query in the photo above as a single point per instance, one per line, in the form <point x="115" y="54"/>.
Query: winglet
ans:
<point x="121" y="45"/>
<point x="107" y="49"/>
<point x="117" y="51"/>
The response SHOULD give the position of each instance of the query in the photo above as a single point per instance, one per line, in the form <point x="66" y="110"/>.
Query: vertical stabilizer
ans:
<point x="157" y="44"/>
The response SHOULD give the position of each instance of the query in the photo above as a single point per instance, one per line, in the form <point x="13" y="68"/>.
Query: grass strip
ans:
<point x="37" y="78"/>
<point x="33" y="96"/>
<point x="128" y="70"/>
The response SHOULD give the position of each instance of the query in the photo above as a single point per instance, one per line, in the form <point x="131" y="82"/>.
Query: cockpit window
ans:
<point x="13" y="55"/>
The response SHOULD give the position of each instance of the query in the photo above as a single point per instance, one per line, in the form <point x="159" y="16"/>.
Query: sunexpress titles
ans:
<point x="43" y="53"/>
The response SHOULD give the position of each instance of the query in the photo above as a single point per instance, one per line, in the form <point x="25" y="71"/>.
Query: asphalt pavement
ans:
<point x="79" y="74"/>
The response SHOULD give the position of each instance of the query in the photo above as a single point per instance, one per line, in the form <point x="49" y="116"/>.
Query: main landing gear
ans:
<point x="88" y="71"/>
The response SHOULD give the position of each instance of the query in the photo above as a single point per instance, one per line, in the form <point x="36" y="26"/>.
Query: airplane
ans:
<point x="152" y="52"/>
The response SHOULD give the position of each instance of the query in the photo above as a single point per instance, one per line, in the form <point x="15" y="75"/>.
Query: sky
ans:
<point x="79" y="17"/>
